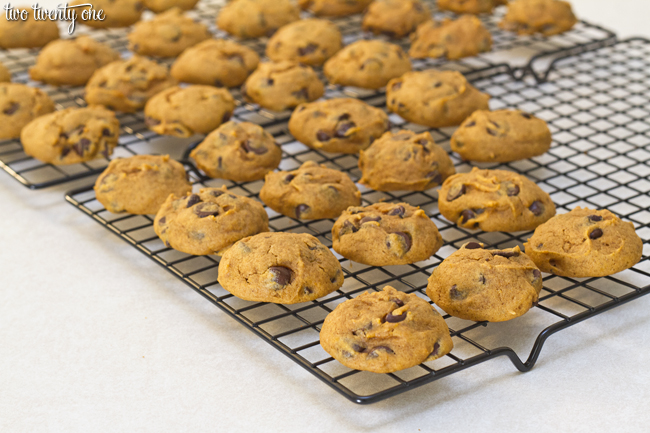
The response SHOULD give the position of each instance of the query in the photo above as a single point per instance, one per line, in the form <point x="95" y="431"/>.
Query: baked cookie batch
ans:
<point x="380" y="331"/>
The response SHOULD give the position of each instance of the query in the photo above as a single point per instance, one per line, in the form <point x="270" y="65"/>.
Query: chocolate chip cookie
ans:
<point x="283" y="268"/>
<point x="28" y="33"/>
<point x="585" y="243"/>
<point x="334" y="8"/>
<point x="385" y="331"/>
<point x="494" y="200"/>
<point x="384" y="234"/>
<point x="485" y="285"/>
<point x="242" y="152"/>
<point x="158" y="6"/>
<point x="255" y="18"/>
<point x="548" y="17"/>
<point x="454" y="39"/>
<point x="404" y="161"/>
<point x="19" y="105"/>
<point x="117" y="13"/>
<point x="72" y="135"/>
<point x="367" y="64"/>
<point x="470" y="6"/>
<point x="343" y="125"/>
<point x="215" y="62"/>
<point x="185" y="111"/>
<point x="310" y="192"/>
<point x="395" y="18"/>
<point x="140" y="184"/>
<point x="208" y="222"/>
<point x="167" y="34"/>
<point x="126" y="85"/>
<point x="71" y="61"/>
<point x="5" y="75"/>
<point x="434" y="98"/>
<point x="282" y="85"/>
<point x="501" y="136"/>
<point x="310" y="41"/>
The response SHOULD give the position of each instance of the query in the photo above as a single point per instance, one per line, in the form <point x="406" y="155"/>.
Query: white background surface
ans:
<point x="94" y="337"/>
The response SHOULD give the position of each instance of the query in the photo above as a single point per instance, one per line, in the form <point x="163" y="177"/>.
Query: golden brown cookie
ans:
<point x="501" y="136"/>
<point x="494" y="200"/>
<point x="454" y="39"/>
<point x="395" y="18"/>
<point x="367" y="64"/>
<point x="5" y="75"/>
<point x="282" y="85"/>
<point x="72" y="135"/>
<point x="470" y="6"/>
<point x="117" y="13"/>
<point x="242" y="152"/>
<point x="334" y="8"/>
<point x="492" y="285"/>
<point x="71" y="61"/>
<point x="404" y="161"/>
<point x="208" y="222"/>
<point x="310" y="41"/>
<point x="255" y="18"/>
<point x="167" y="34"/>
<point x="434" y="98"/>
<point x="548" y="17"/>
<point x="311" y="192"/>
<point x="385" y="331"/>
<point x="27" y="33"/>
<point x="159" y="6"/>
<point x="343" y="125"/>
<point x="384" y="234"/>
<point x="126" y="85"/>
<point x="215" y="62"/>
<point x="19" y="105"/>
<point x="185" y="111"/>
<point x="140" y="184"/>
<point x="585" y="243"/>
<point x="283" y="268"/>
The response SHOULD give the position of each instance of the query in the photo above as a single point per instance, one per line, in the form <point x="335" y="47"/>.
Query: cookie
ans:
<point x="140" y="184"/>
<point x="344" y="125"/>
<point x="72" y="135"/>
<point x="404" y="161"/>
<point x="117" y="13"/>
<point x="208" y="222"/>
<point x="501" y="136"/>
<point x="126" y="85"/>
<point x="395" y="18"/>
<point x="282" y="85"/>
<point x="367" y="64"/>
<point x="334" y="8"/>
<point x="283" y="268"/>
<point x="167" y="34"/>
<point x="310" y="41"/>
<point x="255" y="18"/>
<point x="384" y="234"/>
<point x="5" y="75"/>
<point x="310" y="192"/>
<point x="158" y="6"/>
<point x="454" y="39"/>
<point x="385" y="331"/>
<point x="585" y="243"/>
<point x="215" y="62"/>
<point x="494" y="200"/>
<point x="242" y="152"/>
<point x="485" y="285"/>
<point x="71" y="61"/>
<point x="548" y="17"/>
<point x="28" y="33"/>
<point x="470" y="6"/>
<point x="19" y="105"/>
<point x="185" y="111"/>
<point x="434" y="98"/>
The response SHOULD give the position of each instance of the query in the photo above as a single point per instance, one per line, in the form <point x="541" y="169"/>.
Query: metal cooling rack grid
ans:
<point x="594" y="105"/>
<point x="35" y="175"/>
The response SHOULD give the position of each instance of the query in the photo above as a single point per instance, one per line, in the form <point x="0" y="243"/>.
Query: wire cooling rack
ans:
<point x="508" y="48"/>
<point x="596" y="107"/>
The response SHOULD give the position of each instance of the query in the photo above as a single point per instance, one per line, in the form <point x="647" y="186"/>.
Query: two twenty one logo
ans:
<point x="62" y="12"/>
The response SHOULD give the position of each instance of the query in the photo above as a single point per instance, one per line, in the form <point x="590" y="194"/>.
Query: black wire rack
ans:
<point x="596" y="107"/>
<point x="508" y="48"/>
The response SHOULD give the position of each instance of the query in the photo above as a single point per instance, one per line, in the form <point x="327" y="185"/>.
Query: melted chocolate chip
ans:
<point x="301" y="209"/>
<point x="307" y="290"/>
<point x="595" y="218"/>
<point x="526" y="115"/>
<point x="288" y="178"/>
<point x="399" y="210"/>
<point x="162" y="220"/>
<point x="537" y="208"/>
<point x="11" y="109"/>
<point x="395" y="319"/>
<point x="344" y="116"/>
<point x="204" y="210"/>
<point x="435" y="176"/>
<point x="358" y="348"/>
<point x="323" y="136"/>
<point x="281" y="275"/>
<point x="455" y="191"/>
<point x="473" y="246"/>
<point x="470" y="124"/>
<point x="247" y="147"/>
<point x="536" y="276"/>
<point x="467" y="215"/>
<point x="343" y="128"/>
<point x="226" y="117"/>
<point x="81" y="146"/>
<point x="269" y="81"/>
<point x="436" y="347"/>
<point x="348" y="227"/>
<point x="512" y="190"/>
<point x="106" y="132"/>
<point x="406" y="239"/>
<point x="456" y="294"/>
<point x="481" y="279"/>
<point x="375" y="351"/>
<point x="491" y="132"/>
<point x="310" y="48"/>
<point x="397" y="302"/>
<point x="369" y="219"/>
<point x="506" y="254"/>
<point x="595" y="234"/>
<point x="216" y="193"/>
<point x="193" y="199"/>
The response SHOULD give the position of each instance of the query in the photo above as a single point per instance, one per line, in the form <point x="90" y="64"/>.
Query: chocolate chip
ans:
<point x="322" y="136"/>
<point x="595" y="218"/>
<point x="106" y="132"/>
<point x="481" y="279"/>
<point x="537" y="208"/>
<point x="343" y="128"/>
<point x="226" y="117"/>
<point x="369" y="219"/>
<point x="65" y="151"/>
<point x="310" y="48"/>
<point x="150" y="121"/>
<point x="374" y="352"/>
<point x="526" y="115"/>
<point x="536" y="276"/>
<point x="301" y="94"/>
<point x="281" y="275"/>
<point x="473" y="246"/>
<point x="436" y="85"/>
<point x="11" y="109"/>
<point x="406" y="239"/>
<point x="193" y="199"/>
<point x="470" y="124"/>
<point x="395" y="319"/>
<point x="595" y="234"/>
<point x="307" y="290"/>
<point x="455" y="191"/>
<point x="301" y="209"/>
<point x="506" y="254"/>
<point x="397" y="302"/>
<point x="436" y="347"/>
<point x="288" y="178"/>
<point x="344" y="116"/>
<point x="347" y="228"/>
<point x="399" y="210"/>
<point x="467" y="215"/>
<point x="220" y="162"/>
<point x="512" y="190"/>
<point x="216" y="193"/>
<point x="162" y="220"/>
<point x="247" y="147"/>
<point x="455" y="294"/>
<point x="335" y="277"/>
<point x="435" y="176"/>
<point x="358" y="348"/>
<point x="491" y="132"/>
<point x="269" y="81"/>
<point x="81" y="146"/>
<point x="204" y="210"/>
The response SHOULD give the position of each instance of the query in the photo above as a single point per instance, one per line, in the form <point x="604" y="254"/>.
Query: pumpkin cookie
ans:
<point x="117" y="13"/>
<point x="470" y="6"/>
<point x="310" y="41"/>
<point x="548" y="17"/>
<point x="334" y="8"/>
<point x="454" y="39"/>
<point x="28" y="33"/>
<point x="158" y="6"/>
<point x="19" y="105"/>
<point x="395" y="18"/>
<point x="255" y="18"/>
